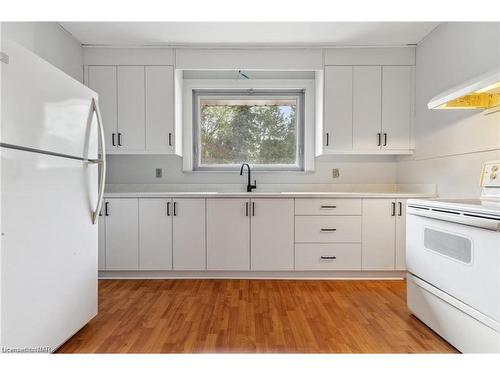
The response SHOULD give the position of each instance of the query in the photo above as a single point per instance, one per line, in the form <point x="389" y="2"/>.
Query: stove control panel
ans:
<point x="490" y="176"/>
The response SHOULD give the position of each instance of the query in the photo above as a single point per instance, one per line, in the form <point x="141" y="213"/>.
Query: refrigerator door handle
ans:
<point x="101" y="161"/>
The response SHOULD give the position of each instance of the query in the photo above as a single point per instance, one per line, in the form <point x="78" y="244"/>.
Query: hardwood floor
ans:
<point x="254" y="316"/>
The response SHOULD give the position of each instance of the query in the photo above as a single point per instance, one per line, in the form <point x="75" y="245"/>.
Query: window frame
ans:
<point x="261" y="93"/>
<point x="313" y="112"/>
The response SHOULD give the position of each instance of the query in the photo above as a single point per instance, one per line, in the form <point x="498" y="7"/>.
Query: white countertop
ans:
<point x="270" y="191"/>
<point x="287" y="194"/>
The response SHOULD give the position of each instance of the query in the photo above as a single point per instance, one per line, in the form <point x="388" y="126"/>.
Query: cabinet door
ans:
<point x="189" y="234"/>
<point x="160" y="108"/>
<point x="155" y="234"/>
<point x="122" y="234"/>
<point x="367" y="107"/>
<point x="396" y="106"/>
<point x="130" y="94"/>
<point x="401" y="235"/>
<point x="378" y="234"/>
<point x="272" y="226"/>
<point x="102" y="79"/>
<point x="101" y="245"/>
<point x="228" y="234"/>
<point x="337" y="133"/>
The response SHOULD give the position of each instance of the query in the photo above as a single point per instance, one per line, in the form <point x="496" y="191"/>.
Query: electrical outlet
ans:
<point x="335" y="173"/>
<point x="159" y="172"/>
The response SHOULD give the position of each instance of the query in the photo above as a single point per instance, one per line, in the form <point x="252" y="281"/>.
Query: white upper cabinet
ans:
<point x="130" y="94"/>
<point x="102" y="79"/>
<point x="272" y="228"/>
<point x="137" y="105"/>
<point x="160" y="108"/>
<point x="396" y="106"/>
<point x="337" y="134"/>
<point x="367" y="108"/>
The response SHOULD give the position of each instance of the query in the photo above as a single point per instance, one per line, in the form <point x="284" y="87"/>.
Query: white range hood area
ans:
<point x="482" y="92"/>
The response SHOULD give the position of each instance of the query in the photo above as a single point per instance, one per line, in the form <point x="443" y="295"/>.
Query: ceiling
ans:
<point x="250" y="33"/>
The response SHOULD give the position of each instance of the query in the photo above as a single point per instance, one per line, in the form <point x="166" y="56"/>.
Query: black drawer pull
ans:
<point x="327" y="206"/>
<point x="328" y="229"/>
<point x="328" y="257"/>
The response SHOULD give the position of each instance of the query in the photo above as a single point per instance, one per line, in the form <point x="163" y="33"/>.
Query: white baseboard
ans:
<point x="277" y="275"/>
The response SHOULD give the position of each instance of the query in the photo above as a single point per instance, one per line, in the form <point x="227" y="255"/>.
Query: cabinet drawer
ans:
<point x="316" y="206"/>
<point x="328" y="229"/>
<point x="326" y="256"/>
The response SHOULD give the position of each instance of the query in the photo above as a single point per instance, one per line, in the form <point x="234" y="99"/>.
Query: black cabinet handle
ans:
<point x="170" y="139"/>
<point x="379" y="137"/>
<point x="328" y="230"/>
<point x="385" y="139"/>
<point x="393" y="211"/>
<point x="328" y="257"/>
<point x="327" y="139"/>
<point x="168" y="208"/>
<point x="106" y="209"/>
<point x="113" y="139"/>
<point x="253" y="208"/>
<point x="175" y="208"/>
<point x="400" y="205"/>
<point x="327" y="206"/>
<point x="246" y="208"/>
<point x="119" y="139"/>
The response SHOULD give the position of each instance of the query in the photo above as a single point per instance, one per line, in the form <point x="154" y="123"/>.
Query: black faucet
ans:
<point x="250" y="187"/>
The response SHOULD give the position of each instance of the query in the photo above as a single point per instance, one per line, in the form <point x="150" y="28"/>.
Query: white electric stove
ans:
<point x="453" y="262"/>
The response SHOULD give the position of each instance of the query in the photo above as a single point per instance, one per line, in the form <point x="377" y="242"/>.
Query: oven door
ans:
<point x="456" y="257"/>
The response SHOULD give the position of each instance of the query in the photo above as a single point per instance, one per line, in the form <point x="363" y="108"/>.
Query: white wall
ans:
<point x="452" y="145"/>
<point x="51" y="42"/>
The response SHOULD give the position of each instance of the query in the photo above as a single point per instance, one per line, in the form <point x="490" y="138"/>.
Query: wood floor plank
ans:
<point x="254" y="316"/>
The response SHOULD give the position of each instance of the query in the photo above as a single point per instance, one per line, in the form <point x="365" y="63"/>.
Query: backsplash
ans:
<point x="140" y="169"/>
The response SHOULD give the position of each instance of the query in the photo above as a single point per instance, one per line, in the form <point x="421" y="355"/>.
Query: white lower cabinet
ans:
<point x="189" y="247"/>
<point x="328" y="229"/>
<point x="228" y="234"/>
<point x="383" y="234"/>
<point x="122" y="234"/>
<point x="101" y="259"/>
<point x="272" y="234"/>
<point x="261" y="234"/>
<point x="155" y="234"/>
<point x="400" y="262"/>
<point x="327" y="256"/>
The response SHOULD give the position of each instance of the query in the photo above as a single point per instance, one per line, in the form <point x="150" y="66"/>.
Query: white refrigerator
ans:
<point x="52" y="181"/>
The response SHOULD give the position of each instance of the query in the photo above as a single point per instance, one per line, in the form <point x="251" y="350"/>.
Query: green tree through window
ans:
<point x="258" y="134"/>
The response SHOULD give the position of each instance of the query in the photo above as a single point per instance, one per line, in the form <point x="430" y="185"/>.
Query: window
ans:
<point x="264" y="128"/>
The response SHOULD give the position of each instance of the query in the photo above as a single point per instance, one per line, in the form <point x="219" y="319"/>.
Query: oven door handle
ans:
<point x="465" y="219"/>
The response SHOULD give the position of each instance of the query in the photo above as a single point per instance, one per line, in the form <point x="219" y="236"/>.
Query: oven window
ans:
<point x="450" y="245"/>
